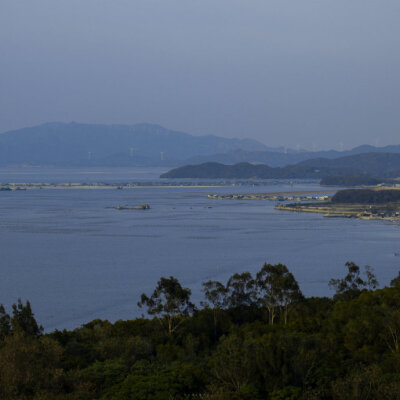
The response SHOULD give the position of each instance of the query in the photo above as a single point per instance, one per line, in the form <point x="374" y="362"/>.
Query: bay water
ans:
<point x="77" y="258"/>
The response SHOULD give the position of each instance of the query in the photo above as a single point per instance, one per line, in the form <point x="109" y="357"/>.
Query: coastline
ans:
<point x="305" y="195"/>
<point x="359" y="211"/>
<point x="94" y="186"/>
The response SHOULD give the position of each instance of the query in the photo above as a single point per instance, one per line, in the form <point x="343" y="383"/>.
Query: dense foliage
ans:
<point x="366" y="196"/>
<point x="349" y="180"/>
<point x="245" y="170"/>
<point x="255" y="337"/>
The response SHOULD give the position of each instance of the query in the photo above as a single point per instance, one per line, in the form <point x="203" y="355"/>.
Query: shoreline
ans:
<point x="359" y="211"/>
<point x="315" y="195"/>
<point x="96" y="186"/>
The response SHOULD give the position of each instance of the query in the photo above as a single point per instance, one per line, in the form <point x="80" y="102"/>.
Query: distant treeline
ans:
<point x="349" y="180"/>
<point x="249" y="171"/>
<point x="252" y="338"/>
<point x="366" y="196"/>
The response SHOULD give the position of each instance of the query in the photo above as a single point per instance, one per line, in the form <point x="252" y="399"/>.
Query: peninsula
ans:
<point x="383" y="204"/>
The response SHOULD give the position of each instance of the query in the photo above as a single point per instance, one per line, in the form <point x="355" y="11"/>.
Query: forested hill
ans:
<point x="240" y="171"/>
<point x="366" y="196"/>
<point x="254" y="337"/>
<point x="74" y="144"/>
<point x="369" y="164"/>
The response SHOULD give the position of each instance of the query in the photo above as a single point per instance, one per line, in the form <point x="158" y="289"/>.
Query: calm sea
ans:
<point x="77" y="258"/>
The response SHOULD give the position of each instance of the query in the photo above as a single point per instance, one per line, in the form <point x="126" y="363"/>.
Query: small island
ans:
<point x="139" y="207"/>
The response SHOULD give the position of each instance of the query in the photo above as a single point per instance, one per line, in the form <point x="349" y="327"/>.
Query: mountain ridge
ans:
<point x="277" y="159"/>
<point x="96" y="144"/>
<point x="76" y="144"/>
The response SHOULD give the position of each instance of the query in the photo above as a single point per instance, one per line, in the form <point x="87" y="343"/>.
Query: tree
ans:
<point x="396" y="281"/>
<point x="233" y="367"/>
<point x="365" y="382"/>
<point x="5" y="326"/>
<point x="241" y="290"/>
<point x="215" y="293"/>
<point x="353" y="284"/>
<point x="152" y="381"/>
<point x="277" y="288"/>
<point x="30" y="368"/>
<point x="23" y="320"/>
<point x="170" y="302"/>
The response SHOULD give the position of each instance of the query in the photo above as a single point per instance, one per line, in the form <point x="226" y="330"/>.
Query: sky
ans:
<point x="319" y="74"/>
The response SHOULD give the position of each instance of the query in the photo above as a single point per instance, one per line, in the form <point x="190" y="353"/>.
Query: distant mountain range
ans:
<point x="286" y="157"/>
<point x="75" y="144"/>
<point x="368" y="164"/>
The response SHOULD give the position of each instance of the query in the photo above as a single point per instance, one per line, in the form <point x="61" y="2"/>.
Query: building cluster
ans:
<point x="266" y="196"/>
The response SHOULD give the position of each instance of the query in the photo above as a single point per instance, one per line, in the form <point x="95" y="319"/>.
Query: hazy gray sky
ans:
<point x="284" y="72"/>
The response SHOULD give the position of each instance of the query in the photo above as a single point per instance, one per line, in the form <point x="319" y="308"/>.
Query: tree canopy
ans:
<point x="345" y="347"/>
<point x="353" y="284"/>
<point x="169" y="302"/>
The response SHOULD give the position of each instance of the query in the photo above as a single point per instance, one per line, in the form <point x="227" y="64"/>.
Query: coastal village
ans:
<point x="300" y="196"/>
